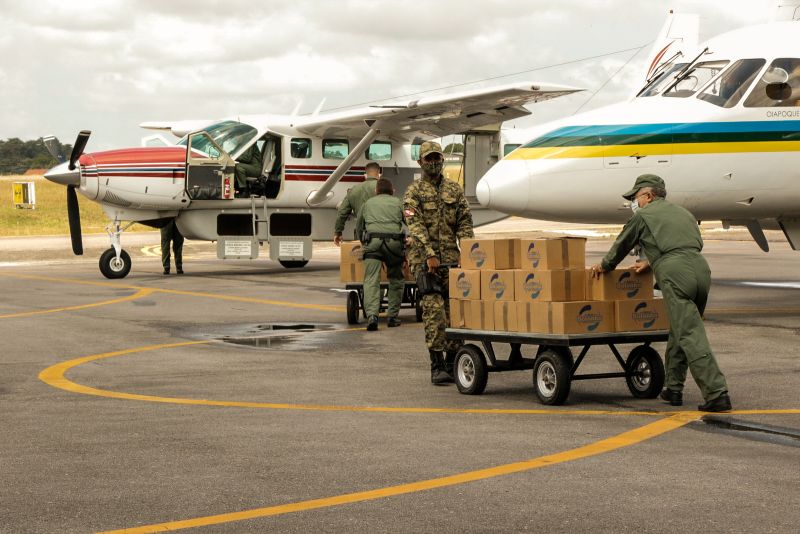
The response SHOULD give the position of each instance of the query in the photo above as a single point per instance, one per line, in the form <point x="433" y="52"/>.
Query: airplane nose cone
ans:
<point x="61" y="174"/>
<point x="484" y="193"/>
<point x="505" y="187"/>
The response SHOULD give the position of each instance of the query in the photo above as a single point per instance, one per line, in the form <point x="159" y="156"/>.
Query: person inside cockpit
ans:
<point x="248" y="165"/>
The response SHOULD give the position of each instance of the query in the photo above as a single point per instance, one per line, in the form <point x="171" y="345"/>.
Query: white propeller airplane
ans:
<point x="309" y="162"/>
<point x="720" y="122"/>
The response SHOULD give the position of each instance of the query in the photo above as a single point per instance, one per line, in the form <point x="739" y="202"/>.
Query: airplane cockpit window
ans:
<point x="508" y="148"/>
<point x="379" y="151"/>
<point x="300" y="147"/>
<point x="778" y="87"/>
<point x="688" y="83"/>
<point x="657" y="83"/>
<point x="232" y="136"/>
<point x="727" y="90"/>
<point x="335" y="148"/>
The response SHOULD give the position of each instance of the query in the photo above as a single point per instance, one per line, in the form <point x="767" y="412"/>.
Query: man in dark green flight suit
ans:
<point x="249" y="164"/>
<point x="171" y="234"/>
<point x="355" y="199"/>
<point x="380" y="226"/>
<point x="671" y="242"/>
<point x="438" y="217"/>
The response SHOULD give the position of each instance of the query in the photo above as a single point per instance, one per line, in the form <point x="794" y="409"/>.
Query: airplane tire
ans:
<point x="111" y="268"/>
<point x="293" y="264"/>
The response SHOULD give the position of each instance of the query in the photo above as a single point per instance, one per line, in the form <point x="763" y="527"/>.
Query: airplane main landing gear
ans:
<point x="115" y="262"/>
<point x="113" y="267"/>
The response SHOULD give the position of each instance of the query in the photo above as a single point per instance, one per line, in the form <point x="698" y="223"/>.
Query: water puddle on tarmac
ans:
<point x="283" y="336"/>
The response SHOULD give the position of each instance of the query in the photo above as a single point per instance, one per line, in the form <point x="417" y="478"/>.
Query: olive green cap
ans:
<point x="645" y="180"/>
<point x="429" y="147"/>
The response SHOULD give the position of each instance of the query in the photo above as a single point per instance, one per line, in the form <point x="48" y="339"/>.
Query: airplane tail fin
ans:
<point x="680" y="32"/>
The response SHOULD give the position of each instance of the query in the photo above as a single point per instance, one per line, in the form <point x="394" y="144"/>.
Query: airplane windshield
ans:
<point x="662" y="80"/>
<point x="730" y="87"/>
<point x="232" y="136"/>
<point x="689" y="82"/>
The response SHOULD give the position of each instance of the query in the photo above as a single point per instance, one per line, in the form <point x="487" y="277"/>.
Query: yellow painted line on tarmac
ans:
<point x="747" y="310"/>
<point x="626" y="439"/>
<point x="139" y="294"/>
<point x="321" y="307"/>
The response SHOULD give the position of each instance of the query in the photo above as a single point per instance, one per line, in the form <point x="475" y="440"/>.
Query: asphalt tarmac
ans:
<point x="174" y="402"/>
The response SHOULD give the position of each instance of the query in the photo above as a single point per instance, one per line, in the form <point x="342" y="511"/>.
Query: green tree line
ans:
<point x="17" y="156"/>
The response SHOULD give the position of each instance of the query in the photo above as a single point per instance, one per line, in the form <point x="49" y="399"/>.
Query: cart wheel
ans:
<point x="352" y="307"/>
<point x="644" y="372"/>
<point x="551" y="380"/>
<point x="418" y="307"/>
<point x="470" y="370"/>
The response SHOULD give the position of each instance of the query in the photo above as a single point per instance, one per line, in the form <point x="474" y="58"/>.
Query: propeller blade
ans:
<point x="54" y="148"/>
<point x="77" y="149"/>
<point x="74" y="216"/>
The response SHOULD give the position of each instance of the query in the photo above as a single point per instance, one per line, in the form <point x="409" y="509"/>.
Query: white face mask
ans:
<point x="635" y="205"/>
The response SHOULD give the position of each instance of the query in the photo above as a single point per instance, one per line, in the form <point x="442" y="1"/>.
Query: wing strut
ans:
<point x="324" y="193"/>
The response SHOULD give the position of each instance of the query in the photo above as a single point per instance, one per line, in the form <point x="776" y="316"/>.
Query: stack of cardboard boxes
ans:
<point x="542" y="285"/>
<point x="351" y="266"/>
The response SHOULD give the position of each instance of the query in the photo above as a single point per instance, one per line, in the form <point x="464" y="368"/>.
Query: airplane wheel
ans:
<point x="293" y="264"/>
<point x="113" y="268"/>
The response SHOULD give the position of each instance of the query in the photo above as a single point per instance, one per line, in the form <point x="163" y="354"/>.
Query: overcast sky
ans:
<point x="108" y="65"/>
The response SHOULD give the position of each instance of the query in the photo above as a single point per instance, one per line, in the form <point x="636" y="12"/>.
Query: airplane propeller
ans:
<point x="73" y="210"/>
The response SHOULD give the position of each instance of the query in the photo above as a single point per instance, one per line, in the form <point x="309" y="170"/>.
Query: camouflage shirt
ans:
<point x="437" y="214"/>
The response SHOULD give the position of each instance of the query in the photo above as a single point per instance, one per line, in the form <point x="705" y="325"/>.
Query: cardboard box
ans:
<point x="584" y="317"/>
<point x="457" y="313"/>
<point x="497" y="285"/>
<point x="493" y="254"/>
<point x="641" y="314"/>
<point x="620" y="284"/>
<point x="465" y="284"/>
<point x="505" y="316"/>
<point x="530" y="286"/>
<point x="478" y="314"/>
<point x="525" y="314"/>
<point x="552" y="254"/>
<point x="351" y="252"/>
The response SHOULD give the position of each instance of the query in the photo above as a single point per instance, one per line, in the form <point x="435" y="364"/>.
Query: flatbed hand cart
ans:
<point x="355" y="300"/>
<point x="553" y="366"/>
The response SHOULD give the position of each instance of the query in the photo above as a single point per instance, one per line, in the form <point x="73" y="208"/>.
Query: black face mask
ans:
<point x="432" y="168"/>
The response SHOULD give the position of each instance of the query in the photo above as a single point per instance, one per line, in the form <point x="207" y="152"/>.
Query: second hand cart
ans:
<point x="553" y="366"/>
<point x="355" y="300"/>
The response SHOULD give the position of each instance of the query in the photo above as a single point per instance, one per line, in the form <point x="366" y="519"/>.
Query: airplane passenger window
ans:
<point x="335" y="148"/>
<point x="300" y="147"/>
<point x="698" y="76"/>
<point x="379" y="151"/>
<point x="508" y="148"/>
<point x="778" y="87"/>
<point x="730" y="87"/>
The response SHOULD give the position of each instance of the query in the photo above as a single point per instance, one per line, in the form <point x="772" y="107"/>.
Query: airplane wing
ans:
<point x="434" y="116"/>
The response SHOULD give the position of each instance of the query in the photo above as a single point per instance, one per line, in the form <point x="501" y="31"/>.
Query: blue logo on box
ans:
<point x="533" y="255"/>
<point x="497" y="285"/>
<point x="590" y="320"/>
<point x="532" y="286"/>
<point x="628" y="284"/>
<point x="463" y="284"/>
<point x="642" y="315"/>
<point x="477" y="255"/>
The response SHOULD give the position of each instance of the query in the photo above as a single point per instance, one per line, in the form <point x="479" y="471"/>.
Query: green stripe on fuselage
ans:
<point x="660" y="139"/>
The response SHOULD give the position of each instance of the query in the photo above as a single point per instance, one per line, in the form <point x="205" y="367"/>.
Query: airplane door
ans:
<point x="209" y="169"/>
<point x="481" y="152"/>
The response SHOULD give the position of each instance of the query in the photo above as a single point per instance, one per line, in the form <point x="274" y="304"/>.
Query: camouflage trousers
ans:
<point x="436" y="316"/>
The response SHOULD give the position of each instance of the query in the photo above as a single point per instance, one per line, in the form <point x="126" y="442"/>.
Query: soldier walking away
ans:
<point x="438" y="216"/>
<point x="671" y="242"/>
<point x="380" y="226"/>
<point x="355" y="199"/>
<point x="170" y="233"/>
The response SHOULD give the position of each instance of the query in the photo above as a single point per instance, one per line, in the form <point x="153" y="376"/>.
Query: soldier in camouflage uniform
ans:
<point x="438" y="216"/>
<point x="355" y="199"/>
<point x="671" y="241"/>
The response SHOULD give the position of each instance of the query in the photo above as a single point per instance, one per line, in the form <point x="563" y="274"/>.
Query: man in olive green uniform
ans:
<point x="249" y="164"/>
<point x="671" y="242"/>
<point x="355" y="199"/>
<point x="380" y="226"/>
<point x="438" y="216"/>
<point x="170" y="233"/>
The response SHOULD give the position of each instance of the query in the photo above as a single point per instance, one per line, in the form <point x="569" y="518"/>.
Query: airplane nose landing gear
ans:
<point x="115" y="262"/>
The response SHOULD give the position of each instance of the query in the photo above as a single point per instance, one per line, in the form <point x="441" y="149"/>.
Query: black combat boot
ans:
<point x="449" y="360"/>
<point x="393" y="321"/>
<point x="720" y="404"/>
<point x="674" y="398"/>
<point x="372" y="323"/>
<point x="438" y="376"/>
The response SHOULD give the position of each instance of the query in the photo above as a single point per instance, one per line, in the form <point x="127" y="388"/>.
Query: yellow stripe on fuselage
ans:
<point x="615" y="151"/>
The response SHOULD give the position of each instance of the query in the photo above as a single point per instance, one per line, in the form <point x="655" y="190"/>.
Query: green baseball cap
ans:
<point x="645" y="180"/>
<point x="429" y="147"/>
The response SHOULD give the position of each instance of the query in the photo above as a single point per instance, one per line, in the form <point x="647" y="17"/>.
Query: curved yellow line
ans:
<point x="625" y="439"/>
<point x="139" y="294"/>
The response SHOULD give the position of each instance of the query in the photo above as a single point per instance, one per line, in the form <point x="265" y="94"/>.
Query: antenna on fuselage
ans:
<point x="296" y="109"/>
<point x="319" y="107"/>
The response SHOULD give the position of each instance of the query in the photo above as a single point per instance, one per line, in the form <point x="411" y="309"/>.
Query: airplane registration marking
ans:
<point x="139" y="294"/>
